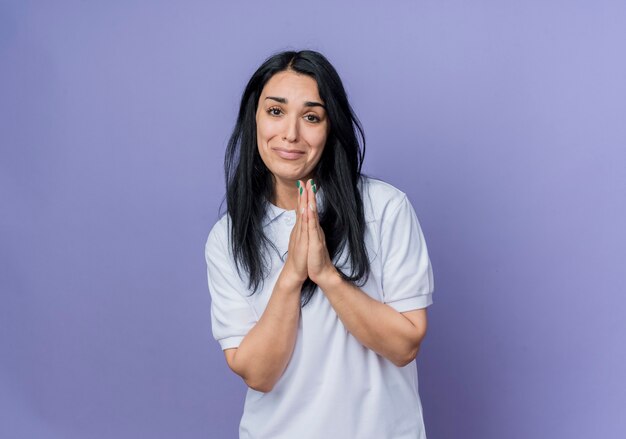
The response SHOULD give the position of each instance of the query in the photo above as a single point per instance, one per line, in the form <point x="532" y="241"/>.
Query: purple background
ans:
<point x="505" y="122"/>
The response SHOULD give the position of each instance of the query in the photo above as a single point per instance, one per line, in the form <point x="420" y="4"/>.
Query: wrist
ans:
<point x="289" y="281"/>
<point x="329" y="278"/>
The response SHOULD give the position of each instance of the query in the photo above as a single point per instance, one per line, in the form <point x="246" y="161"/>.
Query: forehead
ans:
<point x="295" y="87"/>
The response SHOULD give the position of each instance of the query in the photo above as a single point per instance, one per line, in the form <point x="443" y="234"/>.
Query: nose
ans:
<point x="291" y="130"/>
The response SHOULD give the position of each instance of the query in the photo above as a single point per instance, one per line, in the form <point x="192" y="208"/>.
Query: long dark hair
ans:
<point x="338" y="174"/>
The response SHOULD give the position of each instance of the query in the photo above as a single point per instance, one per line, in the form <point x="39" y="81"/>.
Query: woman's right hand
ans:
<point x="295" y="269"/>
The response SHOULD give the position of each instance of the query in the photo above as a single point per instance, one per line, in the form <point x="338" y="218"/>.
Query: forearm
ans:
<point x="375" y="324"/>
<point x="264" y="352"/>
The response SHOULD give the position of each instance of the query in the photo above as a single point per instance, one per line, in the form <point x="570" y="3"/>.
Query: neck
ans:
<point x="286" y="193"/>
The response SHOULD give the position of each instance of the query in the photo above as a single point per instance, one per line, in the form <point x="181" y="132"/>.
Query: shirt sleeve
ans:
<point x="232" y="316"/>
<point x="407" y="277"/>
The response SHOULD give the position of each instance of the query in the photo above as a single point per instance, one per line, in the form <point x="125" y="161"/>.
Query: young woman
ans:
<point x="319" y="275"/>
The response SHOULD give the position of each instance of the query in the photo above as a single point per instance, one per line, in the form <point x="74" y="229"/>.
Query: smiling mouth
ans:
<point x="289" y="154"/>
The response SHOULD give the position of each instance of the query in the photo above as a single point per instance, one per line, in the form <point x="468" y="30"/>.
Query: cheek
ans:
<point x="320" y="143"/>
<point x="265" y="131"/>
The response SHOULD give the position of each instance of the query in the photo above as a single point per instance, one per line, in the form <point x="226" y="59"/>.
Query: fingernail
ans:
<point x="311" y="181"/>
<point x="314" y="188"/>
<point x="297" y="183"/>
<point x="302" y="210"/>
<point x="300" y="191"/>
<point x="311" y="207"/>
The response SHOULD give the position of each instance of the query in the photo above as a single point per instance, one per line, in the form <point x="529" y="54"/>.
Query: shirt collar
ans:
<point x="272" y="211"/>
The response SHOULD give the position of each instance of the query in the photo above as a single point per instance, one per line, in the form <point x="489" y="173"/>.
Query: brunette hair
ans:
<point x="338" y="174"/>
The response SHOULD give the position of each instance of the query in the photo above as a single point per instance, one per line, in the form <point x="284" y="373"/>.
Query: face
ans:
<point x="292" y="126"/>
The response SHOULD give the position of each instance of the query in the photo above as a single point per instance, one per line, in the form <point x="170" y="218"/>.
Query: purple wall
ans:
<point x="505" y="124"/>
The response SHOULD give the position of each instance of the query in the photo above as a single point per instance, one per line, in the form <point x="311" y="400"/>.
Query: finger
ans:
<point x="310" y="206"/>
<point x="301" y="206"/>
<point x="296" y="226"/>
<point x="313" y="217"/>
<point x="313" y="212"/>
<point x="298" y="216"/>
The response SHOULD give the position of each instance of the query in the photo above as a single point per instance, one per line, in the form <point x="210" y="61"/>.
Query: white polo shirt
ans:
<point x="333" y="386"/>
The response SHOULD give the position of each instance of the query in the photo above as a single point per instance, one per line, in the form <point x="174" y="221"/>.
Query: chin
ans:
<point x="288" y="174"/>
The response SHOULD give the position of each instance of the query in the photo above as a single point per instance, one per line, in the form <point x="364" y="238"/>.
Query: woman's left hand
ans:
<point x="319" y="264"/>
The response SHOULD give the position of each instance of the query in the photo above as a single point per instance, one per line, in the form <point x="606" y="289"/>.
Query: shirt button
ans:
<point x="290" y="220"/>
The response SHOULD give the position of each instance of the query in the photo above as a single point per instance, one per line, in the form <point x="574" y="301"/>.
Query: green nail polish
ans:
<point x="298" y="183"/>
<point x="300" y="191"/>
<point x="314" y="189"/>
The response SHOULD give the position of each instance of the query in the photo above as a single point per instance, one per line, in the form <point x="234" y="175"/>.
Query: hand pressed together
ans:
<point x="308" y="255"/>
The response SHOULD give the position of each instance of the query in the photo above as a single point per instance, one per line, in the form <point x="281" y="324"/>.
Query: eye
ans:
<point x="274" y="111"/>
<point x="312" y="118"/>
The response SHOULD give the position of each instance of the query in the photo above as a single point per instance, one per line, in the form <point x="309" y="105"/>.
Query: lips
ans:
<point x="289" y="154"/>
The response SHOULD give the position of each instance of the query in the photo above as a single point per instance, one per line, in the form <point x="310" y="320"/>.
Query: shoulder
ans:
<point x="380" y="198"/>
<point x="217" y="241"/>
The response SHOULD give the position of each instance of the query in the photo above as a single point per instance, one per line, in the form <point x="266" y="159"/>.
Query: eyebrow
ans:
<point x="306" y="104"/>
